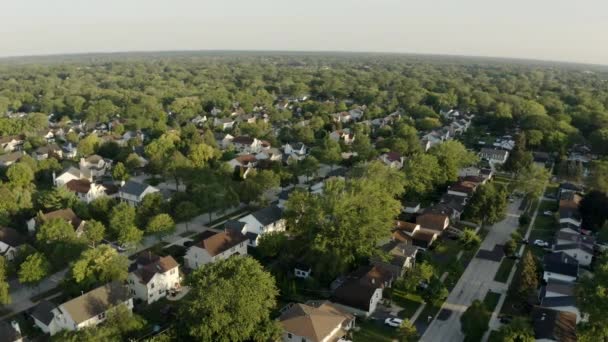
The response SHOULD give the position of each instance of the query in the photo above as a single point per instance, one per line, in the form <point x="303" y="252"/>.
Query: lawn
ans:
<point x="544" y="227"/>
<point x="429" y="311"/>
<point x="373" y="331"/>
<point x="491" y="300"/>
<point x="504" y="269"/>
<point x="408" y="301"/>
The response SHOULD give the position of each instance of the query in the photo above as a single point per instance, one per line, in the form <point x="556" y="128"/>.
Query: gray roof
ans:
<point x="134" y="188"/>
<point x="268" y="215"/>
<point x="561" y="263"/>
<point x="8" y="333"/>
<point x="234" y="225"/>
<point x="96" y="301"/>
<point x="554" y="325"/>
<point x="44" y="312"/>
<point x="561" y="287"/>
<point x="556" y="302"/>
<point x="571" y="246"/>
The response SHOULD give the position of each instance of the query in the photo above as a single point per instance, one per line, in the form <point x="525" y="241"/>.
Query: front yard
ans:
<point x="504" y="270"/>
<point x="373" y="331"/>
<point x="410" y="302"/>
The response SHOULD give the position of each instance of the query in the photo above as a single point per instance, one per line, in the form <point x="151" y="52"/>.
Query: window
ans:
<point x="289" y="336"/>
<point x="101" y="315"/>
<point x="152" y="285"/>
<point x="173" y="271"/>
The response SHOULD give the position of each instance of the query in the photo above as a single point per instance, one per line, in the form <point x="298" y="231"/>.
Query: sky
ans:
<point x="560" y="30"/>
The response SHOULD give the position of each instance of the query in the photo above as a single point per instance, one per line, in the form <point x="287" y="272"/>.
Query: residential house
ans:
<point x="223" y="123"/>
<point x="463" y="188"/>
<point x="560" y="266"/>
<point x="50" y="150"/>
<point x="453" y="202"/>
<point x="410" y="207"/>
<point x="9" y="159"/>
<point x="10" y="242"/>
<point x="245" y="161"/>
<point x="343" y="135"/>
<point x="393" y="159"/>
<point x="43" y="317"/>
<point x="558" y="295"/>
<point x="216" y="247"/>
<point x="10" y="331"/>
<point x="97" y="165"/>
<point x="553" y="325"/>
<point x="413" y="234"/>
<point x="434" y="222"/>
<point x="453" y="210"/>
<point x="70" y="174"/>
<point x="199" y="120"/>
<point x="302" y="270"/>
<point x="69" y="151"/>
<point x="89" y="309"/>
<point x="152" y="277"/>
<point x="271" y="154"/>
<point x="541" y="158"/>
<point x="568" y="188"/>
<point x="314" y="321"/>
<point x="64" y="214"/>
<point x="402" y="257"/>
<point x="11" y="143"/>
<point x="342" y="117"/>
<point x="85" y="190"/>
<point x="245" y="144"/>
<point x="576" y="245"/>
<point x="494" y="156"/>
<point x="133" y="192"/>
<point x="568" y="209"/>
<point x="296" y="151"/>
<point x="260" y="222"/>
<point x="360" y="292"/>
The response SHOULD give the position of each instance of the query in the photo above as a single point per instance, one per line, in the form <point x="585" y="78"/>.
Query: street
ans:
<point x="475" y="282"/>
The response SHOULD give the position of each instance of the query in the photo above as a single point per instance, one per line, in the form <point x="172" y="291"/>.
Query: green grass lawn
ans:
<point x="410" y="302"/>
<point x="491" y="300"/>
<point x="504" y="269"/>
<point x="373" y="332"/>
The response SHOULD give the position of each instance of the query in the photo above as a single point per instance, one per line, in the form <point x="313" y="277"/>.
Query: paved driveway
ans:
<point x="475" y="282"/>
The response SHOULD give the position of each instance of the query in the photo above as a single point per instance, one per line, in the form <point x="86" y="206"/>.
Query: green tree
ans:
<point x="200" y="154"/>
<point x="212" y="311"/>
<point x="469" y="239"/>
<point x="20" y="175"/>
<point x="598" y="179"/>
<point x="532" y="180"/>
<point x="119" y="172"/>
<point x="452" y="156"/>
<point x="593" y="209"/>
<point x="422" y="173"/>
<point x="160" y="225"/>
<point x="272" y="244"/>
<point x="329" y="151"/>
<point x="474" y="321"/>
<point x="150" y="206"/>
<point x="256" y="184"/>
<point x="130" y="236"/>
<point x="488" y="204"/>
<point x="185" y="211"/>
<point x="122" y="216"/>
<point x="88" y="145"/>
<point x="510" y="247"/>
<point x="56" y="230"/>
<point x="94" y="231"/>
<point x="5" y="296"/>
<point x="34" y="269"/>
<point x="133" y="162"/>
<point x="519" y="330"/>
<point x="307" y="167"/>
<point x="100" y="265"/>
<point x="420" y="273"/>
<point x="527" y="283"/>
<point x="407" y="332"/>
<point x="55" y="199"/>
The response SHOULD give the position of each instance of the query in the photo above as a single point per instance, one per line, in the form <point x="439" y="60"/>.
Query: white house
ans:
<point x="245" y="144"/>
<point x="85" y="190"/>
<point x="63" y="214"/>
<point x="216" y="247"/>
<point x="153" y="277"/>
<point x="296" y="151"/>
<point x="344" y="135"/>
<point x="10" y="242"/>
<point x="87" y="310"/>
<point x="133" y="192"/>
<point x="69" y="151"/>
<point x="223" y="123"/>
<point x="11" y="143"/>
<point x="494" y="156"/>
<point x="96" y="165"/>
<point x="320" y="321"/>
<point x="70" y="174"/>
<point x="261" y="222"/>
<point x="361" y="291"/>
<point x="10" y="158"/>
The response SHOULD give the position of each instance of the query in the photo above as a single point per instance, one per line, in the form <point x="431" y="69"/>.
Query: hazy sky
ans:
<point x="567" y="30"/>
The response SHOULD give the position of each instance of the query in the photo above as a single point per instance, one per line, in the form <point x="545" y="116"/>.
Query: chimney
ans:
<point x="15" y="326"/>
<point x="373" y="280"/>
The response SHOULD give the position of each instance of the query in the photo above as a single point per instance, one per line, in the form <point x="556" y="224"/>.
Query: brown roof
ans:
<point x="405" y="226"/>
<point x="314" y="323"/>
<point x="424" y="235"/>
<point x="94" y="159"/>
<point x="160" y="265"/>
<point x="221" y="242"/>
<point x="401" y="236"/>
<point x="373" y="276"/>
<point x="464" y="186"/>
<point x="81" y="186"/>
<point x="393" y="156"/>
<point x="432" y="221"/>
<point x="11" y="237"/>
<point x="9" y="138"/>
<point x="66" y="214"/>
<point x="554" y="325"/>
<point x="246" y="159"/>
<point x="96" y="301"/>
<point x="243" y="140"/>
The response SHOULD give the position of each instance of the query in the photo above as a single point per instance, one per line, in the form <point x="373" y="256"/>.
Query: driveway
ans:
<point x="475" y="282"/>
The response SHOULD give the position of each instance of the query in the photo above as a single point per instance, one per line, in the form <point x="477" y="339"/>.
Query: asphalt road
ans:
<point x="474" y="283"/>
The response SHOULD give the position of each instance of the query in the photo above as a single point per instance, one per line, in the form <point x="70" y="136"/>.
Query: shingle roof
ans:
<point x="161" y="265"/>
<point x="557" y="302"/>
<point x="96" y="301"/>
<point x="561" y="263"/>
<point x="44" y="312"/>
<point x="432" y="221"/>
<point x="314" y="323"/>
<point x="8" y="333"/>
<point x="354" y="294"/>
<point x="66" y="214"/>
<point x="268" y="215"/>
<point x="561" y="287"/>
<point x="134" y="188"/>
<point x="81" y="186"/>
<point x="11" y="237"/>
<point x="13" y="156"/>
<point x="221" y="242"/>
<point x="554" y="325"/>
<point x="234" y="225"/>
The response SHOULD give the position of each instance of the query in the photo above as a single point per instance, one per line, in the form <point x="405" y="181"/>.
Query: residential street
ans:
<point x="475" y="282"/>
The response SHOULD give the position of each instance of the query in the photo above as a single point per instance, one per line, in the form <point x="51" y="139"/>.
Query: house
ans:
<point x="133" y="192"/>
<point x="558" y="295"/>
<point x="553" y="325"/>
<point x="296" y="151"/>
<point x="43" y="317"/>
<point x="455" y="203"/>
<point x="541" y="158"/>
<point x="11" y="143"/>
<point x="575" y="244"/>
<point x="10" y="158"/>
<point x="302" y="270"/>
<point x="402" y="256"/>
<point x="392" y="159"/>
<point x="152" y="277"/>
<point x="462" y="188"/>
<point x="85" y="190"/>
<point x="246" y="144"/>
<point x="87" y="310"/>
<point x="431" y="221"/>
<point x="10" y="332"/>
<point x="411" y="207"/>
<point x="271" y="154"/>
<point x="568" y="208"/>
<point x="199" y="120"/>
<point x="560" y="266"/>
<point x="412" y="233"/>
<point x="246" y="161"/>
<point x="315" y="322"/>
<point x="216" y="247"/>
<point x="50" y="150"/>
<point x="10" y="242"/>
<point x="70" y="174"/>
<point x="69" y="151"/>
<point x="360" y="292"/>
<point x="64" y="214"/>
<point x="96" y="165"/>
<point x="447" y="210"/>
<point x="494" y="156"/>
<point x="223" y="123"/>
<point x="263" y="221"/>
<point x="343" y="135"/>
<point x="568" y="188"/>
<point x="342" y="117"/>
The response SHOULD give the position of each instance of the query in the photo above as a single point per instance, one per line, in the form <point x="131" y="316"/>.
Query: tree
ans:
<point x="121" y="217"/>
<point x="527" y="283"/>
<point x="591" y="296"/>
<point x="119" y="172"/>
<point x="329" y="151"/>
<point x="422" y="173"/>
<point x="488" y="204"/>
<point x="474" y="321"/>
<point x="407" y="332"/>
<point x="200" y="154"/>
<point x="130" y="236"/>
<point x="593" y="210"/>
<point x="256" y="184"/>
<point x="363" y="147"/>
<point x="34" y="269"/>
<point x="272" y="244"/>
<point x="161" y="225"/>
<point x="212" y="311"/>
<point x="510" y="247"/>
<point x="133" y="161"/>
<point x="100" y="265"/>
<point x="88" y="145"/>
<point x="5" y="296"/>
<point x="598" y="179"/>
<point x="419" y="274"/>
<point x="94" y="231"/>
<point x="435" y="292"/>
<point x="185" y="211"/>
<point x="56" y="230"/>
<point x="150" y="206"/>
<point x="452" y="156"/>
<point x="20" y="175"/>
<point x="55" y="199"/>
<point x="469" y="239"/>
<point x="307" y="167"/>
<point x="519" y="330"/>
<point x="531" y="180"/>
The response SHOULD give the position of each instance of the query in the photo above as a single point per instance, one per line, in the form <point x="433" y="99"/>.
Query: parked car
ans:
<point x="393" y="322"/>
<point x="541" y="243"/>
<point x="524" y="241"/>
<point x="548" y="213"/>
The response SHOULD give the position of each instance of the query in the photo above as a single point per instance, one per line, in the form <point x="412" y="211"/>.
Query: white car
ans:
<point x="541" y="243"/>
<point x="548" y="213"/>
<point x="393" y="322"/>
